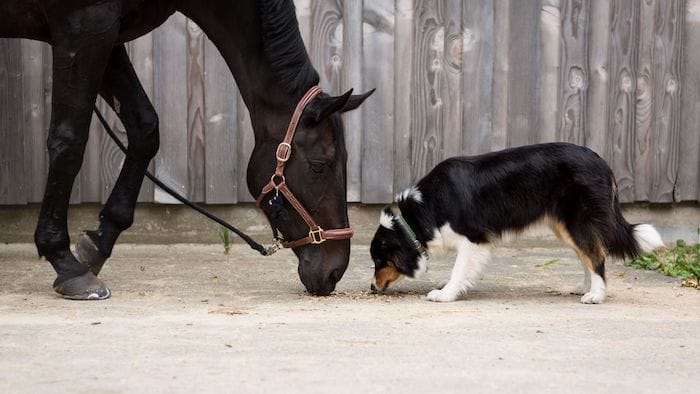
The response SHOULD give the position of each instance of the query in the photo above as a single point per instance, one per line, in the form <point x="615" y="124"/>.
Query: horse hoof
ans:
<point x="88" y="253"/>
<point x="83" y="287"/>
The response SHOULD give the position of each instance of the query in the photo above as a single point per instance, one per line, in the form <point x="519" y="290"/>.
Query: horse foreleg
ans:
<point x="80" y="53"/>
<point x="124" y="93"/>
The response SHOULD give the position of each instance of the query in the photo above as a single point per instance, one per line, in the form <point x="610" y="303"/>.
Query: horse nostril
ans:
<point x="373" y="288"/>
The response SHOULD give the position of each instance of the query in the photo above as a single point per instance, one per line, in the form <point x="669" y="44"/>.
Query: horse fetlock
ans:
<point x="88" y="252"/>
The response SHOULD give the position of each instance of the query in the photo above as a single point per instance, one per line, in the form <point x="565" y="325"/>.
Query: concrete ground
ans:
<point x="187" y="318"/>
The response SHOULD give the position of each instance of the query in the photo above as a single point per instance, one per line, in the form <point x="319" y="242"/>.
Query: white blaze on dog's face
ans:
<point x="393" y="254"/>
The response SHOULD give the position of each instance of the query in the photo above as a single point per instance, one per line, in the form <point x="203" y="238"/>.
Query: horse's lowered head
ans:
<point x="315" y="173"/>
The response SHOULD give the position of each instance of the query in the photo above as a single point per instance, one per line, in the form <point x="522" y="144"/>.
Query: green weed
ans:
<point x="681" y="260"/>
<point x="225" y="237"/>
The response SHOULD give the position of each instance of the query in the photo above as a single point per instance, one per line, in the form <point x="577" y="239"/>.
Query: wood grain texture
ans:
<point x="453" y="77"/>
<point x="623" y="70"/>
<point x="550" y="63"/>
<point x="141" y="54"/>
<point x="523" y="85"/>
<point x="327" y="44"/>
<point x="35" y="154"/>
<point x="378" y="70"/>
<point x="352" y="62"/>
<point x="599" y="81"/>
<point x="170" y="62"/>
<point x="108" y="158"/>
<point x="246" y="142"/>
<point x="451" y="86"/>
<point x="666" y="106"/>
<point x="645" y="93"/>
<point x="403" y="97"/>
<point x="195" y="111"/>
<point x="689" y="162"/>
<point x="574" y="71"/>
<point x="221" y="129"/>
<point x="437" y="56"/>
<point x="12" y="178"/>
<point x="501" y="71"/>
<point x="477" y="76"/>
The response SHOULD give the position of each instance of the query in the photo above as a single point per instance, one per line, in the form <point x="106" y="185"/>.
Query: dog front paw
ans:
<point x="442" y="295"/>
<point x="593" y="297"/>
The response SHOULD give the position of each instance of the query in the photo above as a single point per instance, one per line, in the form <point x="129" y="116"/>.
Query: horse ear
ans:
<point x="322" y="107"/>
<point x="355" y="100"/>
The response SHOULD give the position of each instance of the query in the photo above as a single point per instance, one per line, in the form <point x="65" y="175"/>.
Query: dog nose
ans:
<point x="372" y="288"/>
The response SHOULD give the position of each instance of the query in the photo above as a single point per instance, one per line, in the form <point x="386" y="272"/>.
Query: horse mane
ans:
<point x="284" y="48"/>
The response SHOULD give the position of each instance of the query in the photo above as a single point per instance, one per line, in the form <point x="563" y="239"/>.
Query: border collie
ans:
<point x="466" y="203"/>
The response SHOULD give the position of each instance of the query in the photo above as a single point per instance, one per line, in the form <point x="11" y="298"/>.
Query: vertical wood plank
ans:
<point x="327" y="44"/>
<point x="352" y="61"/>
<point x="551" y="40"/>
<point x="403" y="94"/>
<point x="432" y="86"/>
<point x="689" y="163"/>
<point x="12" y="178"/>
<point x="109" y="159"/>
<point x="170" y="54"/>
<point x="221" y="129"/>
<point x="378" y="72"/>
<point x="501" y="71"/>
<point x="246" y="142"/>
<point x="35" y="155"/>
<point x="477" y="76"/>
<point x="598" y="88"/>
<point x="304" y="17"/>
<point x="195" y="111"/>
<point x="523" y="105"/>
<point x="141" y="54"/>
<point x="574" y="71"/>
<point x="451" y="85"/>
<point x="666" y="103"/>
<point x="644" y="100"/>
<point x="623" y="71"/>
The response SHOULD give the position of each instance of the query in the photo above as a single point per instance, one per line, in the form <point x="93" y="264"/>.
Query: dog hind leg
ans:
<point x="470" y="259"/>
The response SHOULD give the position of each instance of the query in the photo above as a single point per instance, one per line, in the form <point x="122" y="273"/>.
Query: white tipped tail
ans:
<point x="647" y="237"/>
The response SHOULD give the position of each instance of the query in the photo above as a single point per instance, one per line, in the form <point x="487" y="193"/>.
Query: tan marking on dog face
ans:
<point x="385" y="277"/>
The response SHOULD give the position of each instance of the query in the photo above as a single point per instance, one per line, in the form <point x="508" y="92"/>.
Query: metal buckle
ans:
<point x="317" y="236"/>
<point x="287" y="155"/>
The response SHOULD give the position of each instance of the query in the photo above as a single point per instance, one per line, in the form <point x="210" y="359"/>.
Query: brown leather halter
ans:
<point x="317" y="235"/>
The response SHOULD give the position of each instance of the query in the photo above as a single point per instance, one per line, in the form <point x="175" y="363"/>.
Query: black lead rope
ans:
<point x="261" y="249"/>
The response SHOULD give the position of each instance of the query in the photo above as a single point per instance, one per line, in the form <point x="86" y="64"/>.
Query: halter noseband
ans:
<point x="317" y="235"/>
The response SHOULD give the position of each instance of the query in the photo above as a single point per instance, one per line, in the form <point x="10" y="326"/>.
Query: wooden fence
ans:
<point x="452" y="77"/>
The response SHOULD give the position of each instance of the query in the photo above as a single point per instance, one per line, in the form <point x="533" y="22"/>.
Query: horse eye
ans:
<point x="317" y="166"/>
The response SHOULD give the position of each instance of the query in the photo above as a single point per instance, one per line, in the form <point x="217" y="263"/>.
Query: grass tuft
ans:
<point x="225" y="237"/>
<point x="681" y="261"/>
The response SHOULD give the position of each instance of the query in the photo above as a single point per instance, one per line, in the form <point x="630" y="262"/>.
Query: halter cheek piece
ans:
<point x="317" y="235"/>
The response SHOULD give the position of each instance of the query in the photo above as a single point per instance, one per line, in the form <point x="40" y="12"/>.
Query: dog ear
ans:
<point x="386" y="218"/>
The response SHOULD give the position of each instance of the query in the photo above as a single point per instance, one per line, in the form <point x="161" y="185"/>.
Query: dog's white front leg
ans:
<point x="470" y="259"/>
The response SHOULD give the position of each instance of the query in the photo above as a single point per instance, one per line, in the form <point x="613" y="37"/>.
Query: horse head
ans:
<point x="315" y="175"/>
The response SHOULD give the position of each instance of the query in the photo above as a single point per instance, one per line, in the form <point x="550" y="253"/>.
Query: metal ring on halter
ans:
<point x="287" y="154"/>
<point x="277" y="185"/>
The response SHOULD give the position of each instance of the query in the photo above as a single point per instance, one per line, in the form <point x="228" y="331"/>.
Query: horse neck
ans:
<point x="234" y="27"/>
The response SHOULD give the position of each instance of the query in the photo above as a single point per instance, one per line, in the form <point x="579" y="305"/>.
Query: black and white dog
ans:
<point x="465" y="203"/>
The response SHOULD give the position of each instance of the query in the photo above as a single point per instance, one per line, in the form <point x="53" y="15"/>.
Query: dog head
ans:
<point x="394" y="252"/>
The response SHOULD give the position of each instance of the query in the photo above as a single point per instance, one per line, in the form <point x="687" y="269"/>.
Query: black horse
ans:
<point x="262" y="46"/>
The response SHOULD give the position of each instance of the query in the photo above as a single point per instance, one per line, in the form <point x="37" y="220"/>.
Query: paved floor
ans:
<point x="186" y="318"/>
